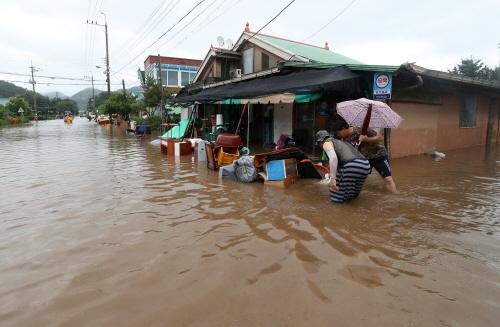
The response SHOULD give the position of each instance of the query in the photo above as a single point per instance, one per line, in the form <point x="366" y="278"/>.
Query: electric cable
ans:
<point x="161" y="36"/>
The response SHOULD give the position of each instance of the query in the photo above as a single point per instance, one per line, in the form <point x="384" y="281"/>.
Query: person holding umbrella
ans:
<point x="369" y="114"/>
<point x="371" y="147"/>
<point x="348" y="166"/>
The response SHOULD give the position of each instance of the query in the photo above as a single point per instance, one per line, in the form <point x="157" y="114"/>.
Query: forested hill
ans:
<point x="8" y="90"/>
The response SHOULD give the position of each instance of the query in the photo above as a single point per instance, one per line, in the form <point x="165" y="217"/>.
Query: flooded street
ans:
<point x="99" y="229"/>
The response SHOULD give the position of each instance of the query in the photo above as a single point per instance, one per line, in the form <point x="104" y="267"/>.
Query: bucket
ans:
<point x="219" y="120"/>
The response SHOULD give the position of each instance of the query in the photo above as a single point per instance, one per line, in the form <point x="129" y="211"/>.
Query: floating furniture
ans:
<point x="211" y="160"/>
<point x="226" y="148"/>
<point x="277" y="170"/>
<point x="176" y="135"/>
<point x="284" y="183"/>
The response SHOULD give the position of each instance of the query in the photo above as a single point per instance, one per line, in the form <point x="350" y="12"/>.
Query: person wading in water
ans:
<point x="348" y="167"/>
<point x="371" y="147"/>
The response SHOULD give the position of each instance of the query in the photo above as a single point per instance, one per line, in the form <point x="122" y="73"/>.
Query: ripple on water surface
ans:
<point x="99" y="228"/>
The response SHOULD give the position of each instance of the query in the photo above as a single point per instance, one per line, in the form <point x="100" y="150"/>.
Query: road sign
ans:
<point x="382" y="86"/>
<point x="20" y="110"/>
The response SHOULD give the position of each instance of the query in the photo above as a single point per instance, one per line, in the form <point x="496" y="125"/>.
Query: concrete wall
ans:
<point x="418" y="131"/>
<point x="428" y="127"/>
<point x="283" y="120"/>
<point x="450" y="135"/>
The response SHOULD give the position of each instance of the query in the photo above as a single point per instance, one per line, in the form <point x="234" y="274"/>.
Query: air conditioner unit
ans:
<point x="235" y="73"/>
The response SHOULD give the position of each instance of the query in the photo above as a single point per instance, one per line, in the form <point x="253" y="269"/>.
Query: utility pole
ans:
<point x="93" y="96"/>
<point x="162" y="101"/>
<point x="107" y="48"/>
<point x="107" y="53"/>
<point x="33" y="82"/>
<point x="498" y="64"/>
<point x="123" y="86"/>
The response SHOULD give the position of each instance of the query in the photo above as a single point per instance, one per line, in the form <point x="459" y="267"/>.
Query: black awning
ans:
<point x="309" y="81"/>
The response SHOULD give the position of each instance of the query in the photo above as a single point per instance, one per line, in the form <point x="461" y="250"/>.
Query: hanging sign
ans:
<point x="382" y="86"/>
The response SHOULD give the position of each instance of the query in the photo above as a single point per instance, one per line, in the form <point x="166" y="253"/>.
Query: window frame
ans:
<point x="264" y="55"/>
<point x="468" y="111"/>
<point x="172" y="71"/>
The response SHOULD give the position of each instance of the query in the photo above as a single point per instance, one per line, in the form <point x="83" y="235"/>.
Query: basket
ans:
<point x="226" y="156"/>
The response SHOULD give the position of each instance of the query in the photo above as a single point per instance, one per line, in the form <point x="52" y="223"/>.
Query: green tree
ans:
<point x="2" y="111"/>
<point x="119" y="103"/>
<point x="475" y="68"/>
<point x="99" y="100"/>
<point x="63" y="105"/>
<point x="152" y="95"/>
<point x="16" y="102"/>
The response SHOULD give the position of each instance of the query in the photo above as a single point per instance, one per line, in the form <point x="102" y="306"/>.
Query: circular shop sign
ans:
<point x="382" y="81"/>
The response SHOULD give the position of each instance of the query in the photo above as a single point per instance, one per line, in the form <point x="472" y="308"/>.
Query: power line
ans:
<point x="52" y="83"/>
<point x="146" y="22"/>
<point x="330" y="21"/>
<point x="97" y="9"/>
<point x="272" y="19"/>
<point x="323" y="27"/>
<point x="186" y="25"/>
<point x="51" y="77"/>
<point x="161" y="36"/>
<point x="150" y="27"/>
<point x="207" y="24"/>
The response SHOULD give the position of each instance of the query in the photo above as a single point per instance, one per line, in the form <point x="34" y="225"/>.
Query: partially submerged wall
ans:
<point x="430" y="127"/>
<point x="418" y="131"/>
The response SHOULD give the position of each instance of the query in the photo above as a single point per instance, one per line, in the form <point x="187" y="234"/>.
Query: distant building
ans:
<point x="175" y="72"/>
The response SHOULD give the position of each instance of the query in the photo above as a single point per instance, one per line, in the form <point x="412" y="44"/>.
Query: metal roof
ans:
<point x="412" y="68"/>
<point x="311" y="52"/>
<point x="354" y="67"/>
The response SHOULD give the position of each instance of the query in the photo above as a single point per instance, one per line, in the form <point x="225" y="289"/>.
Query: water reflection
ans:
<point x="100" y="222"/>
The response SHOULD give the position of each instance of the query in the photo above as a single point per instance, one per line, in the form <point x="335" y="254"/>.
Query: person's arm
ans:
<point x="371" y="137"/>
<point x="333" y="163"/>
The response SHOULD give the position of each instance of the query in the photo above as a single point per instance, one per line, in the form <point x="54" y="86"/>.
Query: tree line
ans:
<point x="476" y="68"/>
<point x="125" y="104"/>
<point x="22" y="98"/>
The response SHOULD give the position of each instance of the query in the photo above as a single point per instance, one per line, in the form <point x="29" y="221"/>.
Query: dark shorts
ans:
<point x="381" y="164"/>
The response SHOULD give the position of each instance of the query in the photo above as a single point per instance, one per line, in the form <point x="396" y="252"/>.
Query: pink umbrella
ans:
<point x="368" y="113"/>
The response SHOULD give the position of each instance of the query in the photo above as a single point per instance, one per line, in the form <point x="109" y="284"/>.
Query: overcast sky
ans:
<point x="54" y="34"/>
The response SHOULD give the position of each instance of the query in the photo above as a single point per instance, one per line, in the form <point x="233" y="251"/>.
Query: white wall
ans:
<point x="283" y="119"/>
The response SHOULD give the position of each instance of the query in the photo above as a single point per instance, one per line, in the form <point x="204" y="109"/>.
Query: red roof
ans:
<point x="151" y="60"/>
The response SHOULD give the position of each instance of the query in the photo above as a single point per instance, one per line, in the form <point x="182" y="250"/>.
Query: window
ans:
<point x="468" y="112"/>
<point x="248" y="61"/>
<point x="184" y="78"/>
<point x="163" y="77"/>
<point x="173" y="77"/>
<point x="225" y="67"/>
<point x="265" y="61"/>
<point x="191" y="77"/>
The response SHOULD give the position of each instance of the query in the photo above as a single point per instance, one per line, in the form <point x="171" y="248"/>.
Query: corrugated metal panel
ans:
<point x="354" y="67"/>
<point x="311" y="52"/>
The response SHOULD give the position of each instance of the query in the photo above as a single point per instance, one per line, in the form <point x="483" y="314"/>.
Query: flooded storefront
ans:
<point x="98" y="228"/>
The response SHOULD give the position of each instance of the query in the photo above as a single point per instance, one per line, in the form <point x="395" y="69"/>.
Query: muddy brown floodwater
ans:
<point x="98" y="229"/>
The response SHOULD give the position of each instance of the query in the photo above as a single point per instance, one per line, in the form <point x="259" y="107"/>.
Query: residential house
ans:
<point x="291" y="88"/>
